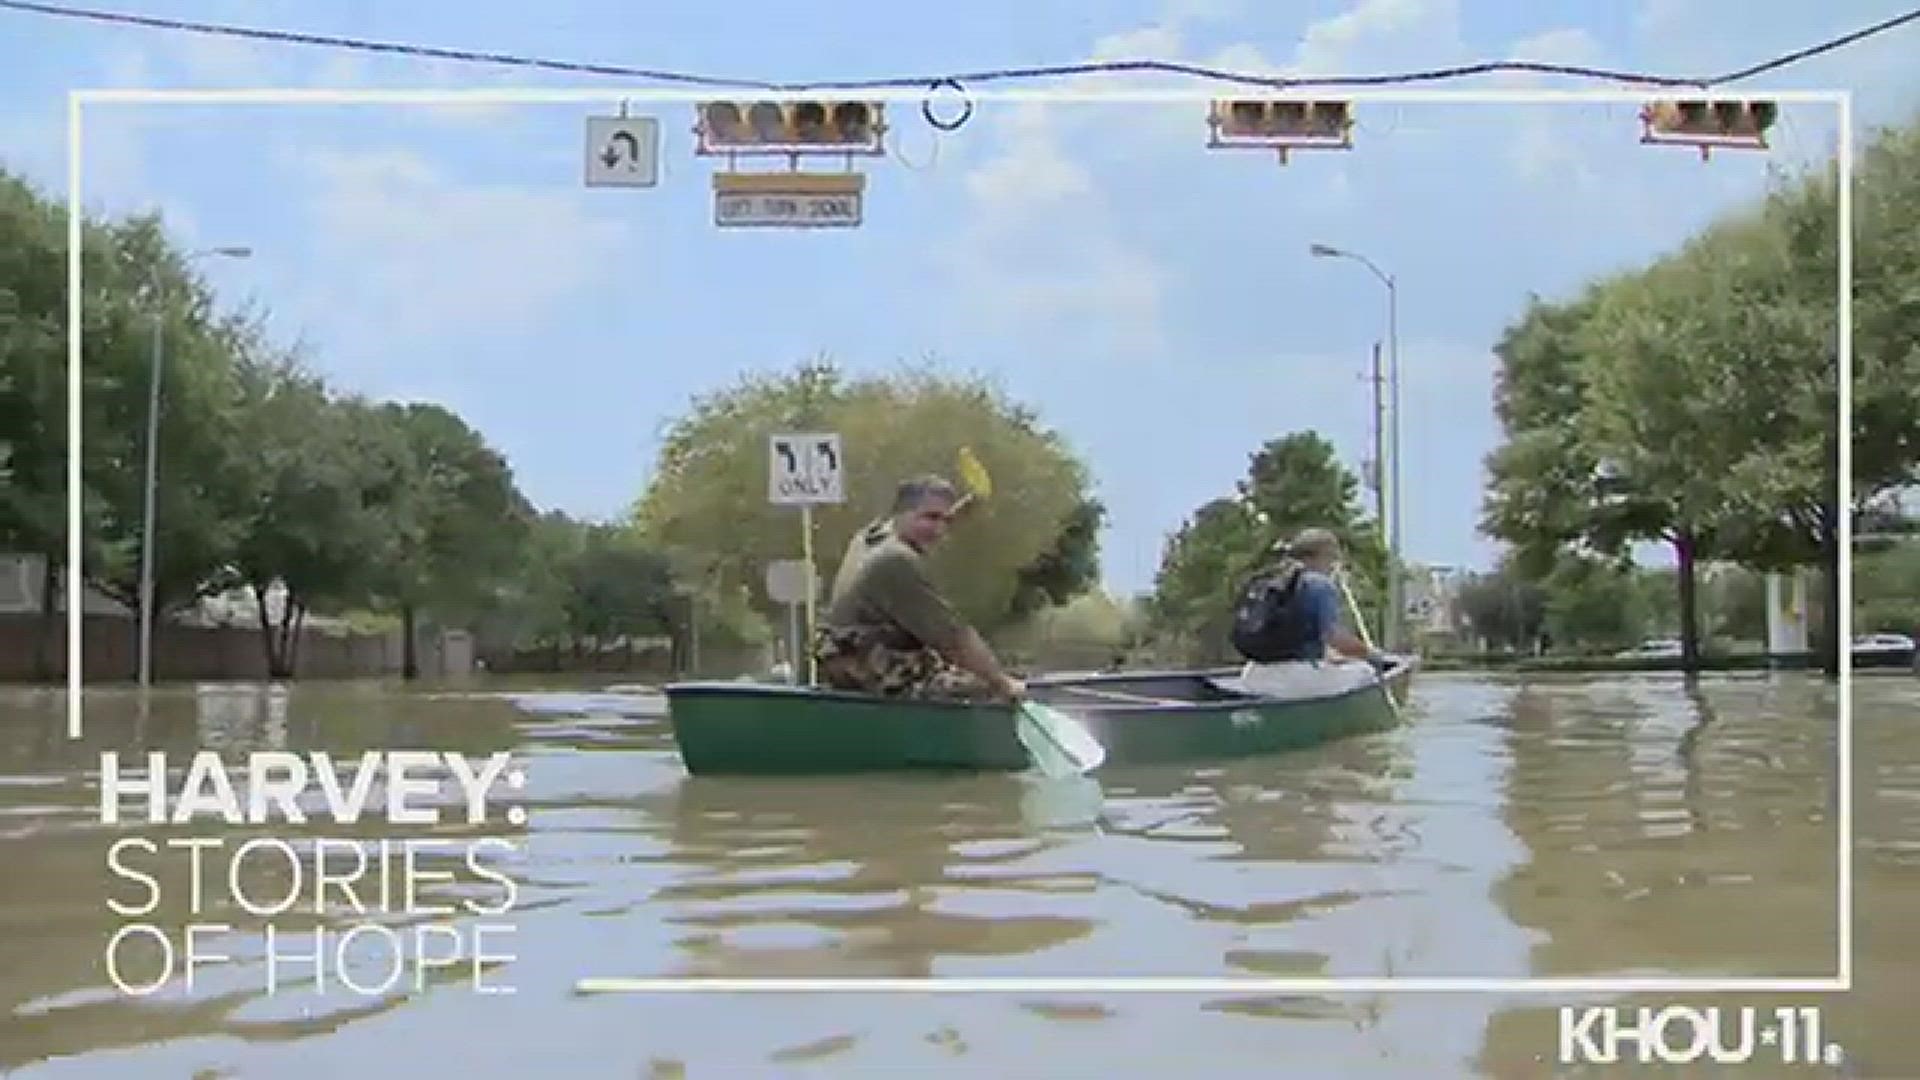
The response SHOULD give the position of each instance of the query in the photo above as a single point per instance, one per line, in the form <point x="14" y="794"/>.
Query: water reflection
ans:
<point x="1558" y="827"/>
<point x="1750" y="886"/>
<point x="777" y="878"/>
<point x="56" y="925"/>
<point x="1661" y="810"/>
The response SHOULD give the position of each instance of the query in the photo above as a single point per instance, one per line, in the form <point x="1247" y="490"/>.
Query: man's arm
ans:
<point x="971" y="653"/>
<point x="906" y="595"/>
<point x="1337" y="636"/>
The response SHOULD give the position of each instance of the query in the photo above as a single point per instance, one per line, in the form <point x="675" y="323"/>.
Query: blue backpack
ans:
<point x="1268" y="626"/>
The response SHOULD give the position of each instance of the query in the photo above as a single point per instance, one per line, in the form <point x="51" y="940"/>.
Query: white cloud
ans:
<point x="1040" y="249"/>
<point x="1547" y="151"/>
<point x="224" y="61"/>
<point x="1033" y="171"/>
<point x="1375" y="34"/>
<point x="1570" y="45"/>
<point x="1654" y="18"/>
<point x="409" y="252"/>
<point x="1085" y="269"/>
<point x="1185" y="11"/>
<point x="1161" y="41"/>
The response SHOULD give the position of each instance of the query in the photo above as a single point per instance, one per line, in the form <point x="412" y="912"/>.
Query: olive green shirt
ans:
<point x="882" y="584"/>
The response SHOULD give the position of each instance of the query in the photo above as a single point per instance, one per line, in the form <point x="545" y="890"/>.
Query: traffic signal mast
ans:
<point x="1734" y="125"/>
<point x="791" y="129"/>
<point x="844" y="128"/>
<point x="1282" y="125"/>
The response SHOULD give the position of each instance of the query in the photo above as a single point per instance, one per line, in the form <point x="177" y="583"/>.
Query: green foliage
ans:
<point x="1292" y="483"/>
<point x="1593" y="603"/>
<point x="1886" y="590"/>
<point x="32" y="369"/>
<point x="1738" y="603"/>
<point x="1694" y="401"/>
<point x="1088" y="631"/>
<point x="1032" y="542"/>
<point x="266" y="477"/>
<point x="1204" y="561"/>
<point x="460" y="524"/>
<point x="618" y="587"/>
<point x="1067" y="569"/>
<point x="1505" y="609"/>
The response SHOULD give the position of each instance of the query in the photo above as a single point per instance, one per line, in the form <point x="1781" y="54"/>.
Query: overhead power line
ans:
<point x="948" y="78"/>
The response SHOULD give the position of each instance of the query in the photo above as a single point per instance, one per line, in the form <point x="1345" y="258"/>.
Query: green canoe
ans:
<point x="754" y="728"/>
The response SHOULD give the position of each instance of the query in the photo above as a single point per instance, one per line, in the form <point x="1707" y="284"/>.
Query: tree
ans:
<point x="1667" y="416"/>
<point x="1201" y="567"/>
<point x="1066" y="570"/>
<point x="1894" y="601"/>
<point x="458" y="523"/>
<point x="33" y="387"/>
<point x="1091" y="628"/>
<point x="200" y="454"/>
<point x="618" y="587"/>
<point x="1545" y="487"/>
<point x="135" y="281"/>
<point x="1296" y="482"/>
<point x="1738" y="602"/>
<point x="1034" y="537"/>
<point x="1707" y="389"/>
<point x="1292" y="483"/>
<point x="531" y="606"/>
<point x="1590" y="603"/>
<point x="319" y="509"/>
<point x="1504" y="608"/>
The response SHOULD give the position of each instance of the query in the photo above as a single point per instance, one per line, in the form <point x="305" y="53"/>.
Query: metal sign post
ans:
<point x="788" y="581"/>
<point x="806" y="470"/>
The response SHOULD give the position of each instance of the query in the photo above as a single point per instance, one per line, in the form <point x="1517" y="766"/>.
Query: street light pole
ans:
<point x="156" y="296"/>
<point x="1396" y="595"/>
<point x="147" y="515"/>
<point x="1397" y="587"/>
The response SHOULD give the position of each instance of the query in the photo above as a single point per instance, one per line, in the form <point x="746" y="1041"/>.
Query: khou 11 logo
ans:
<point x="1680" y="1035"/>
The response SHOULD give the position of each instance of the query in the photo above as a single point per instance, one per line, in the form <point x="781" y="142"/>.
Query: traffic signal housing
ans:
<point x="1739" y="125"/>
<point x="1280" y="124"/>
<point x="791" y="127"/>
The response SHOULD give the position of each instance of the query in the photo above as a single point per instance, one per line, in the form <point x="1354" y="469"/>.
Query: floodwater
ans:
<point x="1549" y="827"/>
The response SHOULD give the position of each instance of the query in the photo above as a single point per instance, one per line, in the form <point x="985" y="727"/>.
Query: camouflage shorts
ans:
<point x="850" y="660"/>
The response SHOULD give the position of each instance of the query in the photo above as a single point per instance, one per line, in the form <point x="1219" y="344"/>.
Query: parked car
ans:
<point x="1652" y="649"/>
<point x="1883" y="649"/>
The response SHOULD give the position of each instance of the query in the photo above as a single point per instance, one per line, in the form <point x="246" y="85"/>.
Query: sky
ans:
<point x="1153" y="300"/>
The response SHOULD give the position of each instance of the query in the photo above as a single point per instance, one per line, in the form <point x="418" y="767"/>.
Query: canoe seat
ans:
<point x="1297" y="681"/>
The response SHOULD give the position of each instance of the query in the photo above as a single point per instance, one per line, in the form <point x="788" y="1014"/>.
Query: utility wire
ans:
<point x="989" y="75"/>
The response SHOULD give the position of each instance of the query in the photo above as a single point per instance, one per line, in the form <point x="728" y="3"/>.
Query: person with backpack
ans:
<point x="1287" y="620"/>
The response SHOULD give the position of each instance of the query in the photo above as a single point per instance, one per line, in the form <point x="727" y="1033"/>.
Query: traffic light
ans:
<point x="1271" y="123"/>
<point x="1706" y="124"/>
<point x="791" y="127"/>
<point x="1282" y="125"/>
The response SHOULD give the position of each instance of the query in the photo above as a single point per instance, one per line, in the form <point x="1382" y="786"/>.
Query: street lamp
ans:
<point x="156" y="296"/>
<point x="1396" y="598"/>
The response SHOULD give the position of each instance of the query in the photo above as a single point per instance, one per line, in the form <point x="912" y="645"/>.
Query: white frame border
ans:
<point x="1842" y="100"/>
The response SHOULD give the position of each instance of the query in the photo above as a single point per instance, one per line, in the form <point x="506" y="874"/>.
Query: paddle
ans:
<point x="1360" y="624"/>
<point x="974" y="475"/>
<point x="1058" y="744"/>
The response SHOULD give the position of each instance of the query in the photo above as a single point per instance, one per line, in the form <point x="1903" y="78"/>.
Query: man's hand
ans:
<point x="1380" y="661"/>
<point x="1010" y="688"/>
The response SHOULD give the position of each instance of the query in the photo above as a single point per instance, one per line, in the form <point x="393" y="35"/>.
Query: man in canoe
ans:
<point x="1287" y="621"/>
<point x="887" y="630"/>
